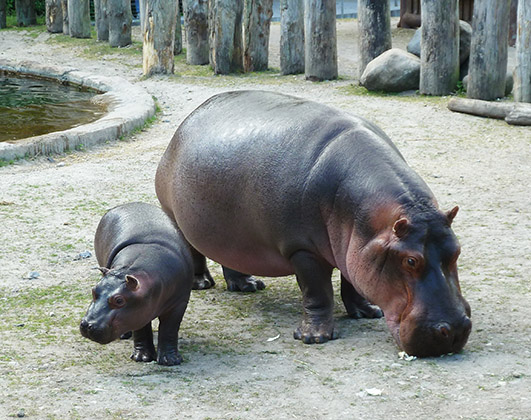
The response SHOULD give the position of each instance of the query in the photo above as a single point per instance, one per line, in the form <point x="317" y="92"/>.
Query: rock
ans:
<point x="83" y="255"/>
<point x="33" y="275"/>
<point x="465" y="36"/>
<point x="393" y="71"/>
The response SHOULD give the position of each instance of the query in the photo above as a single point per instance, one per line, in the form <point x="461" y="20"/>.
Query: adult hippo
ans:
<point x="147" y="273"/>
<point x="273" y="185"/>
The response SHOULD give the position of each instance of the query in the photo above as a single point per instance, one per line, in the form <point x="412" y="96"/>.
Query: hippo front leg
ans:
<point x="314" y="279"/>
<point x="168" y="353"/>
<point x="356" y="305"/>
<point x="144" y="350"/>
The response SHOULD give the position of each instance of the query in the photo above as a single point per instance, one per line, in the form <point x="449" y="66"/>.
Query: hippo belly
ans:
<point x="269" y="184"/>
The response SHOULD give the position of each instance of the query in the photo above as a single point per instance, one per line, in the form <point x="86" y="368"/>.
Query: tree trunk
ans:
<point x="291" y="37"/>
<point x="522" y="72"/>
<point x="3" y="13"/>
<point x="256" y="24"/>
<point x="196" y="27"/>
<point x="512" y="112"/>
<point x="320" y="39"/>
<point x="25" y="12"/>
<point x="66" y="26"/>
<point x="226" y="36"/>
<point x="79" y="18"/>
<point x="159" y="36"/>
<point x="374" y="22"/>
<point x="178" y="42"/>
<point x="488" y="50"/>
<point x="142" y="13"/>
<point x="101" y="15"/>
<point x="54" y="16"/>
<point x="120" y="20"/>
<point x="439" y="47"/>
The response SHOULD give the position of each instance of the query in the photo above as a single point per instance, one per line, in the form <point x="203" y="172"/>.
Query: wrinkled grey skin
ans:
<point x="147" y="273"/>
<point x="272" y="185"/>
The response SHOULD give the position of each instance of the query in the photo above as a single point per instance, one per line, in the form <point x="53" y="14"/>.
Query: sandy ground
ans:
<point x="240" y="360"/>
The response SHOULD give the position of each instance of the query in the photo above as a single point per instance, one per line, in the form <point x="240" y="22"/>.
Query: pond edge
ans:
<point x="128" y="107"/>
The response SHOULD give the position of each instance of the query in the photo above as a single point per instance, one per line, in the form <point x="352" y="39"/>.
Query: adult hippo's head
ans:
<point x="409" y="269"/>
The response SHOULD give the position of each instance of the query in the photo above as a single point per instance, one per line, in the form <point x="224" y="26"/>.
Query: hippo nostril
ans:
<point x="84" y="324"/>
<point x="444" y="330"/>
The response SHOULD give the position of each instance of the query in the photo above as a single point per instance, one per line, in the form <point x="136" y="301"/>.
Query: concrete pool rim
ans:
<point x="128" y="107"/>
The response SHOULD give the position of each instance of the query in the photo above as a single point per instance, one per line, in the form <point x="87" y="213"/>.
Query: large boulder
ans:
<point x="393" y="71"/>
<point x="465" y="36"/>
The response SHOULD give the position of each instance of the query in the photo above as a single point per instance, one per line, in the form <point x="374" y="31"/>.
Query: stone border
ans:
<point x="128" y="107"/>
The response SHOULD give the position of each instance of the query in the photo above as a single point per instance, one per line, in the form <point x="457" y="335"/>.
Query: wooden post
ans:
<point x="101" y="15"/>
<point x="159" y="36"/>
<point x="522" y="72"/>
<point x="291" y="37"/>
<point x="256" y="23"/>
<point x="54" y="16"/>
<point x="196" y="27"/>
<point x="178" y="42"/>
<point x="374" y="23"/>
<point x="488" y="50"/>
<point x="79" y="18"/>
<point x="120" y="20"/>
<point x="225" y="20"/>
<point x="320" y="40"/>
<point x="25" y="10"/>
<point x="439" y="47"/>
<point x="3" y="13"/>
<point x="66" y="26"/>
<point x="142" y="12"/>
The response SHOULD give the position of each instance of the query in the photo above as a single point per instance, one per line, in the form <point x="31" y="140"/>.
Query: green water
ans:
<point x="30" y="107"/>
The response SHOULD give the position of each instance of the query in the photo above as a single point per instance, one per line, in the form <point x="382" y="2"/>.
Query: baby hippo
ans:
<point x="147" y="273"/>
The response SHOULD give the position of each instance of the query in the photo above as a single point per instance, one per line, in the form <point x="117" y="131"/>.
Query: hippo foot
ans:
<point x="247" y="284"/>
<point x="170" y="358"/>
<point x="365" y="311"/>
<point x="314" y="334"/>
<point x="203" y="281"/>
<point x="144" y="355"/>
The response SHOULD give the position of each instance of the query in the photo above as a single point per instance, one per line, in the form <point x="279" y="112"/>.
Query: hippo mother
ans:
<point x="273" y="185"/>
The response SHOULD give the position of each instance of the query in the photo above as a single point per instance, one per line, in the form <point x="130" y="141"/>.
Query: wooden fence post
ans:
<point x="522" y="72"/>
<point x="120" y="21"/>
<point x="66" y="26"/>
<point x="488" y="50"/>
<point x="3" y="13"/>
<point x="25" y="10"/>
<point x="54" y="16"/>
<point x="439" y="47"/>
<point x="256" y="23"/>
<point x="101" y="16"/>
<point x="291" y="37"/>
<point x="159" y="36"/>
<point x="79" y="18"/>
<point x="196" y="28"/>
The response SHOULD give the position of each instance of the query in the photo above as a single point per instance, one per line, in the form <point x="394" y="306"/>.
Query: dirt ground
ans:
<point x="240" y="360"/>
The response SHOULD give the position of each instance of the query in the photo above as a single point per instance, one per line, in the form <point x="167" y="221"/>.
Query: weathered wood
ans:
<point x="25" y="10"/>
<point x="54" y="16"/>
<point x="159" y="36"/>
<point x="226" y="43"/>
<point x="522" y="72"/>
<point x="439" y="47"/>
<point x="320" y="39"/>
<point x="79" y="18"/>
<point x="142" y="13"/>
<point x="120" y="20"/>
<point x="66" y="26"/>
<point x="3" y="13"/>
<point x="196" y="29"/>
<point x="291" y="37"/>
<point x="488" y="50"/>
<point x="178" y="42"/>
<point x="513" y="112"/>
<point x="257" y="16"/>
<point x="374" y="23"/>
<point x="101" y="15"/>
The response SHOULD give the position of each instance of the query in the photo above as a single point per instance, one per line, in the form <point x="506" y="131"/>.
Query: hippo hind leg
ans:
<point x="356" y="305"/>
<point x="240" y="282"/>
<point x="314" y="279"/>
<point x="202" y="277"/>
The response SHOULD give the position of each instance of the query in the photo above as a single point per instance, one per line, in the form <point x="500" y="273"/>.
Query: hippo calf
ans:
<point x="273" y="185"/>
<point x="147" y="273"/>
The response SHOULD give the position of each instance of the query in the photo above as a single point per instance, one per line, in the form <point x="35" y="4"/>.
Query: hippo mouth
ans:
<point x="99" y="335"/>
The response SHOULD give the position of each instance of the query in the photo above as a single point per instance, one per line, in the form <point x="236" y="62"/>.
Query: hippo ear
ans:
<point x="401" y="227"/>
<point x="104" y="270"/>
<point x="132" y="283"/>
<point x="450" y="215"/>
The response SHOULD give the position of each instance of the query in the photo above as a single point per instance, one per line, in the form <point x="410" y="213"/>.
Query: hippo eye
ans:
<point x="411" y="262"/>
<point x="117" y="301"/>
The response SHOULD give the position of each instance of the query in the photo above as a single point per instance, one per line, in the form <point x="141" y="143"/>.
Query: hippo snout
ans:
<point x="95" y="333"/>
<point x="435" y="339"/>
